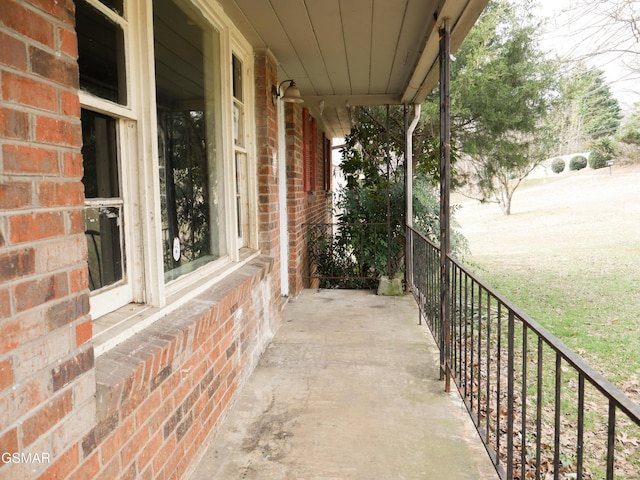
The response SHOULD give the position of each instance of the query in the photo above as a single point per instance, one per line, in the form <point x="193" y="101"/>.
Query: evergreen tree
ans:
<point x="501" y="90"/>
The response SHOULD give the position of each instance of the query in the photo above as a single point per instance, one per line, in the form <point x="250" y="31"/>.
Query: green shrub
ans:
<point x="597" y="160"/>
<point x="578" y="163"/>
<point x="558" y="165"/>
<point x="602" y="149"/>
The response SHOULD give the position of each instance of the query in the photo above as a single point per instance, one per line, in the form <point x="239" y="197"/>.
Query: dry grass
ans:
<point x="569" y="255"/>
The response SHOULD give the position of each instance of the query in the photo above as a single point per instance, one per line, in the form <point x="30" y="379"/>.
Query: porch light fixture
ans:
<point x="290" y="95"/>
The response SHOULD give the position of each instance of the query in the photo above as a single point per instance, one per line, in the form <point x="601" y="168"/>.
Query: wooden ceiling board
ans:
<point x="265" y="21"/>
<point x="294" y="18"/>
<point x="328" y="32"/>
<point x="356" y="16"/>
<point x="388" y="19"/>
<point x="414" y="33"/>
<point x="353" y="51"/>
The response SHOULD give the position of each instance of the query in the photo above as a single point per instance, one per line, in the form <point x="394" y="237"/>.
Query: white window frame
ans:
<point x="244" y="54"/>
<point x="108" y="299"/>
<point x="147" y="296"/>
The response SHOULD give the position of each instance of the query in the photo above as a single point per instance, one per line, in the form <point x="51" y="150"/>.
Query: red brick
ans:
<point x="84" y="332"/>
<point x="32" y="293"/>
<point x="79" y="279"/>
<point x="15" y="195"/>
<point x="89" y="468"/>
<point x="66" y="372"/>
<point x="136" y="446"/>
<point x="29" y="91"/>
<point x="57" y="255"/>
<point x="61" y="9"/>
<point x="60" y="194"/>
<point x="36" y="226"/>
<point x="7" y="377"/>
<point x="17" y="264"/>
<point x="66" y="311"/>
<point x="149" y="451"/>
<point x="14" y="124"/>
<point x="13" y="52"/>
<point x="111" y="471"/>
<point x="46" y="417"/>
<point x="26" y="22"/>
<point x="5" y="304"/>
<point x="72" y="164"/>
<point x="9" y="441"/>
<point x="164" y="453"/>
<point x="64" y="465"/>
<point x="68" y="43"/>
<point x="25" y="160"/>
<point x="70" y="104"/>
<point x="54" y="67"/>
<point x="112" y="445"/>
<point x="57" y="131"/>
<point x="23" y="399"/>
<point x="20" y="329"/>
<point x="76" y="221"/>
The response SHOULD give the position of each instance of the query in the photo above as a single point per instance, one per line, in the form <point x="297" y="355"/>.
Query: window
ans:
<point x="192" y="226"/>
<point x="240" y="153"/>
<point x="309" y="150"/>
<point x="168" y="158"/>
<point x="102" y="59"/>
<point x="328" y="167"/>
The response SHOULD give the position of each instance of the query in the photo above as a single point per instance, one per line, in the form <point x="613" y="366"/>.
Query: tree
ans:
<point x="586" y="109"/>
<point x="611" y="27"/>
<point x="363" y="248"/>
<point x="501" y="91"/>
<point x="630" y="131"/>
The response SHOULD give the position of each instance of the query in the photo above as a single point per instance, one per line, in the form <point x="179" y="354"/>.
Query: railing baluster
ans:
<point x="556" y="432"/>
<point x="580" y="440"/>
<point x="539" y="411"/>
<point x="523" y="427"/>
<point x="510" y="391"/>
<point x="498" y="382"/>
<point x="488" y="386"/>
<point x="470" y="339"/>
<point x="611" y="440"/>
<point x="479" y="380"/>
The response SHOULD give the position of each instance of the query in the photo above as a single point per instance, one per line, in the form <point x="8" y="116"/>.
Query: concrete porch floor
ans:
<point x="347" y="389"/>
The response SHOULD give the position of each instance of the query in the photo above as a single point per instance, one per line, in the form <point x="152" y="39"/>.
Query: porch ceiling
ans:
<point x="347" y="53"/>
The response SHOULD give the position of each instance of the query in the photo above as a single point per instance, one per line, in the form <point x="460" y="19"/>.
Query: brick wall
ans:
<point x="142" y="409"/>
<point x="161" y="393"/>
<point x="304" y="206"/>
<point x="47" y="381"/>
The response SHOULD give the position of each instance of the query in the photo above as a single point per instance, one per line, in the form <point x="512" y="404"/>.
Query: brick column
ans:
<point x="47" y="379"/>
<point x="296" y="197"/>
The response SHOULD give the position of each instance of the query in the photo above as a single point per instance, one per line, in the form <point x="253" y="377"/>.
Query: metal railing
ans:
<point x="348" y="255"/>
<point x="540" y="410"/>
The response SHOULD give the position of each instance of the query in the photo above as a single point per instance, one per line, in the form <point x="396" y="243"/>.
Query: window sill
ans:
<point x="116" y="327"/>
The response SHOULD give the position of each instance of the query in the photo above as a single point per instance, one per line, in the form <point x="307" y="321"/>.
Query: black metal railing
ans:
<point x="351" y="255"/>
<point x="540" y="410"/>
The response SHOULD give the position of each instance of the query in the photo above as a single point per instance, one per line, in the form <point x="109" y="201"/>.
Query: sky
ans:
<point x="572" y="28"/>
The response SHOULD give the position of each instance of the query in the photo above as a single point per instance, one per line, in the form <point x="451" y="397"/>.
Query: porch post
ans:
<point x="408" y="191"/>
<point x="445" y="185"/>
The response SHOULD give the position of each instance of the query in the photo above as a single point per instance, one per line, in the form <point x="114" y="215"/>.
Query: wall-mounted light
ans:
<point x="291" y="93"/>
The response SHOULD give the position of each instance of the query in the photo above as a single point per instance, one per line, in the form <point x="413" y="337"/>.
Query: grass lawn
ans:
<point x="569" y="256"/>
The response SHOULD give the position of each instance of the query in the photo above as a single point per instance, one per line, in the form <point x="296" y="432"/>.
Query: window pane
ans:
<point x="100" y="54"/>
<point x="115" y="5"/>
<point x="99" y="157"/>
<point x="236" y="66"/>
<point x="242" y="204"/>
<point x="190" y="193"/>
<point x="104" y="245"/>
<point x="103" y="217"/>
